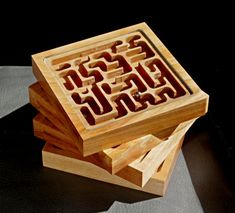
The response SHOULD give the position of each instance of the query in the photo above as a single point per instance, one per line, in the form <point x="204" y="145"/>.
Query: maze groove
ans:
<point x="116" y="79"/>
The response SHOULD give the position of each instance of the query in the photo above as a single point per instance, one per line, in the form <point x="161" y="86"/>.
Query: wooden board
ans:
<point x="69" y="162"/>
<point x="137" y="172"/>
<point x="118" y="87"/>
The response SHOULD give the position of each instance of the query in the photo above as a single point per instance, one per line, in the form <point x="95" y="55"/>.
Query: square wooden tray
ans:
<point x="118" y="87"/>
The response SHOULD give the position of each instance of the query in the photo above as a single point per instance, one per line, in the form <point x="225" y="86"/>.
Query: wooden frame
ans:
<point x="107" y="131"/>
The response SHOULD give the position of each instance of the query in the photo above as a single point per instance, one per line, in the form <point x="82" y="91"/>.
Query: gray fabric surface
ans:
<point x="14" y="82"/>
<point x="180" y="196"/>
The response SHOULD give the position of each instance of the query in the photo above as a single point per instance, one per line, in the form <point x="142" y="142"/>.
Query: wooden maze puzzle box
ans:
<point x="118" y="87"/>
<point x="115" y="108"/>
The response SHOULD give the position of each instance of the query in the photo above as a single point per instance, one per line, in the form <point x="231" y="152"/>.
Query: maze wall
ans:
<point x="115" y="78"/>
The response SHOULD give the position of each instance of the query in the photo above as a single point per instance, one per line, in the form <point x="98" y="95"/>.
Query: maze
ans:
<point x="115" y="78"/>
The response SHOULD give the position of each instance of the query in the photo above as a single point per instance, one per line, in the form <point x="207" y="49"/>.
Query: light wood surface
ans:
<point x="69" y="162"/>
<point x="118" y="87"/>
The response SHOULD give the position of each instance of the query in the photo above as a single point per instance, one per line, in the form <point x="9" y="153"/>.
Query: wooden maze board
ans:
<point x="118" y="87"/>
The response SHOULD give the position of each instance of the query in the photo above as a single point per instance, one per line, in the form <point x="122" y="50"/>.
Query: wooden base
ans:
<point x="69" y="162"/>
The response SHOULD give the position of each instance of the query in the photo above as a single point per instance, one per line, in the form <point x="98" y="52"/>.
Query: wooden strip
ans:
<point x="69" y="162"/>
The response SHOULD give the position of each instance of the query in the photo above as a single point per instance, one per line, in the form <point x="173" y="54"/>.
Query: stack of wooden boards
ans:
<point x="114" y="108"/>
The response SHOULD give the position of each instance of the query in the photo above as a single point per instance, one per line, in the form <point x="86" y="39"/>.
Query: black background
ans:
<point x="199" y="36"/>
